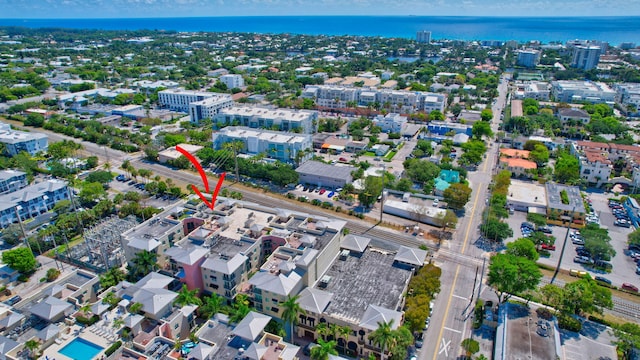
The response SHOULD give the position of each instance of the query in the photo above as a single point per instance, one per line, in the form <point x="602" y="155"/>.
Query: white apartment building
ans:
<point x="31" y="201"/>
<point x="570" y="91"/>
<point x="16" y="142"/>
<point x="628" y="96"/>
<point x="390" y="123"/>
<point x="537" y="90"/>
<point x="304" y="121"/>
<point x="179" y="99"/>
<point x="210" y="107"/>
<point x="12" y="180"/>
<point x="232" y="81"/>
<point x="400" y="101"/>
<point x="528" y="58"/>
<point x="586" y="57"/>
<point x="276" y="145"/>
<point x="595" y="166"/>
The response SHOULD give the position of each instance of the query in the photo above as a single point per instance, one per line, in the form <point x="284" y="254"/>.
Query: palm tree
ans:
<point x="323" y="350"/>
<point x="343" y="332"/>
<point x="323" y="330"/>
<point x="211" y="306"/>
<point x="117" y="323"/>
<point x="187" y="297"/>
<point x="291" y="311"/>
<point x="86" y="309"/>
<point x="143" y="263"/>
<point x="32" y="345"/>
<point x="240" y="308"/>
<point x="382" y="336"/>
<point x="135" y="308"/>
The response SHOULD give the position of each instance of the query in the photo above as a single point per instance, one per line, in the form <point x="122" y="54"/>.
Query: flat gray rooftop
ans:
<point x="219" y="333"/>
<point x="555" y="199"/>
<point x="228" y="246"/>
<point x="359" y="281"/>
<point x="155" y="228"/>
<point x="522" y="340"/>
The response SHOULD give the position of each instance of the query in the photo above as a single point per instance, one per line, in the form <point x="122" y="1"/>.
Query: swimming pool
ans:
<point x="80" y="349"/>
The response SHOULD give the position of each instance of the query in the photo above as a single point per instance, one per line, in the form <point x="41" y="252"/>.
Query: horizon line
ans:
<point x="327" y="15"/>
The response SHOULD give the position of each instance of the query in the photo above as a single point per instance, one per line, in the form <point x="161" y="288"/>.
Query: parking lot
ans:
<point x="147" y="200"/>
<point x="623" y="266"/>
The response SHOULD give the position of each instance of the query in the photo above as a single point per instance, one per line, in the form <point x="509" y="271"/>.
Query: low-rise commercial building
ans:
<point x="421" y="212"/>
<point x="565" y="205"/>
<point x="172" y="154"/>
<point x="324" y="175"/>
<point x="526" y="196"/>
<point x="209" y="108"/>
<point x="390" y="123"/>
<point x="178" y="99"/>
<point x="444" y="127"/>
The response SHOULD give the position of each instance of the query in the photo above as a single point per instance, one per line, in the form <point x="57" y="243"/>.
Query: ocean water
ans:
<point x="546" y="29"/>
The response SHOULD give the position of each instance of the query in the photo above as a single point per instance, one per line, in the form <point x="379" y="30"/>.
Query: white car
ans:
<point x="435" y="202"/>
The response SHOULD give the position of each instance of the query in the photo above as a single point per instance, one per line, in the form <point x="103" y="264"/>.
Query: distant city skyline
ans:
<point x="51" y="9"/>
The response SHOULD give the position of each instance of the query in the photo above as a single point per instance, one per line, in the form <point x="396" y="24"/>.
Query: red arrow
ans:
<point x="203" y="175"/>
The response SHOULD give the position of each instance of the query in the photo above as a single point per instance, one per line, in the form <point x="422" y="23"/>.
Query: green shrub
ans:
<point x="90" y="321"/>
<point x="569" y="323"/>
<point x="544" y="313"/>
<point x="111" y="349"/>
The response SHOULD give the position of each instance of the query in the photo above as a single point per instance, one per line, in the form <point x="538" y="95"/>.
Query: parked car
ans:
<point x="527" y="225"/>
<point x="435" y="202"/>
<point x="322" y="191"/>
<point x="582" y="260"/>
<point x="331" y="194"/>
<point x="545" y="229"/>
<point x="577" y="241"/>
<point x="14" y="300"/>
<point x="629" y="287"/>
<point x="603" y="280"/>
<point x="548" y="247"/>
<point x="622" y="223"/>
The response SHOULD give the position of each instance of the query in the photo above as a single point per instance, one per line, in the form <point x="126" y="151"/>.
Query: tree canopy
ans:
<point x="20" y="259"/>
<point x="511" y="275"/>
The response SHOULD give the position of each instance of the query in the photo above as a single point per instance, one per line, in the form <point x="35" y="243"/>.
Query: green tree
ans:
<point x="112" y="277"/>
<point x="382" y="336"/>
<point x="135" y="308"/>
<point x="457" y="195"/>
<point x="586" y="296"/>
<point x="91" y="192"/>
<point x="240" y="308"/>
<point x="628" y="338"/>
<point x="421" y="171"/>
<point x="52" y="274"/>
<point x="567" y="169"/>
<point x="496" y="230"/>
<point x="291" y="311"/>
<point x="553" y="296"/>
<point x="212" y="305"/>
<point x="523" y="247"/>
<point x="32" y="345"/>
<point x="20" y="259"/>
<point x="436" y="115"/>
<point x="480" y="129"/>
<point x="102" y="177"/>
<point x="187" y="297"/>
<point x="372" y="189"/>
<point x="539" y="154"/>
<point x="470" y="346"/>
<point x="486" y="115"/>
<point x="143" y="263"/>
<point x="35" y="120"/>
<point x="323" y="349"/>
<point x="512" y="275"/>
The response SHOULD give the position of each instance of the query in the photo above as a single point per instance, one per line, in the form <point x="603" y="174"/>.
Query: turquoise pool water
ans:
<point x="81" y="349"/>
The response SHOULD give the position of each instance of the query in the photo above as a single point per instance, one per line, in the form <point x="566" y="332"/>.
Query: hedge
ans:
<point x="111" y="349"/>
<point x="569" y="323"/>
<point x="87" y="321"/>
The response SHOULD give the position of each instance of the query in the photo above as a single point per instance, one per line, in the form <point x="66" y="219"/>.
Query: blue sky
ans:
<point x="198" y="8"/>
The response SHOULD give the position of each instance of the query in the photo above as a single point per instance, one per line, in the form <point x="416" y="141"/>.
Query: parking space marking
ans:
<point x="454" y="330"/>
<point x="460" y="297"/>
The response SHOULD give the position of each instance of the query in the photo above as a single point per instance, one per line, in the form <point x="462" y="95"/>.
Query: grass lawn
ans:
<point x="370" y="153"/>
<point x="390" y="154"/>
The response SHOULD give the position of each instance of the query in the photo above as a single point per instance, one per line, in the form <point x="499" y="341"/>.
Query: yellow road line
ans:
<point x="455" y="277"/>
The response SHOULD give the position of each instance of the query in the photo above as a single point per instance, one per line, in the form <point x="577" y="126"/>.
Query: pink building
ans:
<point x="189" y="260"/>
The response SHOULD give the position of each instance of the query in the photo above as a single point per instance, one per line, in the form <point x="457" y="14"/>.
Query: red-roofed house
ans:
<point x="518" y="167"/>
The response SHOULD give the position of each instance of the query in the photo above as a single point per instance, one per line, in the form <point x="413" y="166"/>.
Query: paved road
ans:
<point x="461" y="279"/>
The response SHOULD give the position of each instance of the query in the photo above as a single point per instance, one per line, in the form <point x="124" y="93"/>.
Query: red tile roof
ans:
<point x="519" y="163"/>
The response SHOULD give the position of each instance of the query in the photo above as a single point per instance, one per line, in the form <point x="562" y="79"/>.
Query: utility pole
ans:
<point x="564" y="245"/>
<point x="24" y="233"/>
<point x="382" y="195"/>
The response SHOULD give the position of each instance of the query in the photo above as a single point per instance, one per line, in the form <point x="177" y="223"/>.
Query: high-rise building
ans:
<point x="423" y="36"/>
<point x="586" y="57"/>
<point x="528" y="58"/>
